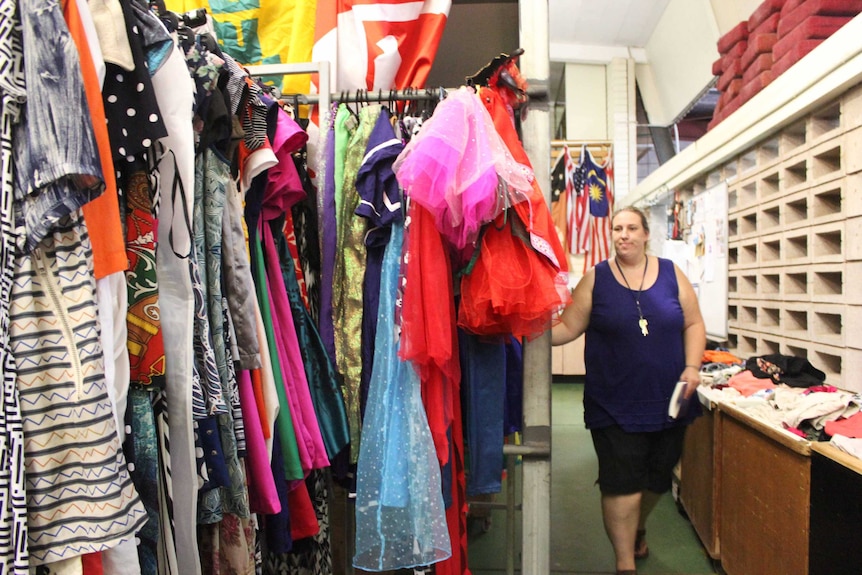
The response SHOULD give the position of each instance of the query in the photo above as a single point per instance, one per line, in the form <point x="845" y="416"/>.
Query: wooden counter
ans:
<point x="700" y="473"/>
<point x="764" y="497"/>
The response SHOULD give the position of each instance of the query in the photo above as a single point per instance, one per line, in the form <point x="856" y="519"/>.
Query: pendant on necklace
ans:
<point x="643" y="323"/>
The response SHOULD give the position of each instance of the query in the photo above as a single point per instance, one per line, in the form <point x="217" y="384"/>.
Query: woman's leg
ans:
<point x="620" y="514"/>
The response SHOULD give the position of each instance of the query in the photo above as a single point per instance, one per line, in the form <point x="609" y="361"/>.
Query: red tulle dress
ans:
<point x="520" y="278"/>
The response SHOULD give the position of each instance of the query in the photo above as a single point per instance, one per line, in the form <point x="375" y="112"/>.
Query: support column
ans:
<point x="536" y="131"/>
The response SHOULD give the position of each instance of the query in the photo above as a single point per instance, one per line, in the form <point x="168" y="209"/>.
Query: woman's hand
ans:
<point x="690" y="375"/>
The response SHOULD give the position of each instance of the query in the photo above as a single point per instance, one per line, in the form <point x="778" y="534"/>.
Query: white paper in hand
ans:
<point x="678" y="402"/>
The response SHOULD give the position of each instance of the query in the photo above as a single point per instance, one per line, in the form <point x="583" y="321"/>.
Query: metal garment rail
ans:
<point x="319" y="68"/>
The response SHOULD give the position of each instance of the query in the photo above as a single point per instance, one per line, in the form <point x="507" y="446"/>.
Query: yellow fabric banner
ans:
<point x="262" y="32"/>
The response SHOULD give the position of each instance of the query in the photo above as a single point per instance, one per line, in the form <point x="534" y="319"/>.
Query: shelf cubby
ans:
<point x="732" y="227"/>
<point x="796" y="211"/>
<point x="748" y="254"/>
<point x="826" y="163"/>
<point x="828" y="244"/>
<point x="771" y="284"/>
<point x="828" y="324"/>
<point x="828" y="363"/>
<point x="796" y="283"/>
<point x="770" y="185"/>
<point x="828" y="283"/>
<point x="792" y="138"/>
<point x="732" y="256"/>
<point x="825" y="120"/>
<point x="748" y="194"/>
<point x="797" y="351"/>
<point x="747" y="161"/>
<point x="795" y="175"/>
<point x="748" y="316"/>
<point x="770" y="318"/>
<point x="770" y="250"/>
<point x="769" y="151"/>
<point x="795" y="321"/>
<point x="732" y="195"/>
<point x="826" y="202"/>
<point x="748" y="284"/>
<point x="748" y="223"/>
<point x="770" y="346"/>
<point x="795" y="247"/>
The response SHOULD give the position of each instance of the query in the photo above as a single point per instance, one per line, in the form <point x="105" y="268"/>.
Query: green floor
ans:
<point x="578" y="543"/>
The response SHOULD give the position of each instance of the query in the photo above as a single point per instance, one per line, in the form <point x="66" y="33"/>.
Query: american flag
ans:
<point x="595" y="208"/>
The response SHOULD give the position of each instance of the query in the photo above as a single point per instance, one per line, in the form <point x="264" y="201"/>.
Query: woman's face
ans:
<point x="628" y="234"/>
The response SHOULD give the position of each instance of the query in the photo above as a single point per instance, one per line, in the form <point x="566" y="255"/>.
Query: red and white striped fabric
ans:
<point x="374" y="44"/>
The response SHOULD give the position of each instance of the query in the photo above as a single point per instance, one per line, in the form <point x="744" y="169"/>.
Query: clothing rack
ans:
<point x="536" y="447"/>
<point x="380" y="96"/>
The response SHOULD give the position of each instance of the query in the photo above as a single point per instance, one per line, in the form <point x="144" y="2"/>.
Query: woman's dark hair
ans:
<point x="634" y="210"/>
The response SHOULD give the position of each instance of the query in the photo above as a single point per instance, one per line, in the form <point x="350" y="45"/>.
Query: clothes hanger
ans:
<point x="345" y="99"/>
<point x="170" y="20"/>
<point x="195" y="18"/>
<point x="483" y="76"/>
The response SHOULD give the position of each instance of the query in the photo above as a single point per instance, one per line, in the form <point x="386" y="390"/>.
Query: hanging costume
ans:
<point x="400" y="519"/>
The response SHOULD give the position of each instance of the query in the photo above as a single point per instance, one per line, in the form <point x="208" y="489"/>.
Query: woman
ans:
<point x="644" y="333"/>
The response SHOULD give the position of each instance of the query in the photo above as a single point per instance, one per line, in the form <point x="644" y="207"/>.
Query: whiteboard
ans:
<point x="703" y="256"/>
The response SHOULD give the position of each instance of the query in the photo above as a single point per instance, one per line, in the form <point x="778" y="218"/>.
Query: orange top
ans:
<point x="103" y="213"/>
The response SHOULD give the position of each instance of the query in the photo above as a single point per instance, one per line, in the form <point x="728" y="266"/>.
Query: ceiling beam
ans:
<point x="594" y="54"/>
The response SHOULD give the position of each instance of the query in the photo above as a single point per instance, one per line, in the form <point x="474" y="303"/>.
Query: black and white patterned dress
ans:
<point x="13" y="505"/>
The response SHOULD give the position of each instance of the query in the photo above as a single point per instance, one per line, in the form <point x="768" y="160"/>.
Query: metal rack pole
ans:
<point x="535" y="66"/>
<point x="319" y="68"/>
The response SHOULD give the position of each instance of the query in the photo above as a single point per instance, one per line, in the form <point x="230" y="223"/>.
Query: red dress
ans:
<point x="521" y="275"/>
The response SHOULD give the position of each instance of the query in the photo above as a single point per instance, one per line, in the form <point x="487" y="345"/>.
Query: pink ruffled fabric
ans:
<point x="460" y="170"/>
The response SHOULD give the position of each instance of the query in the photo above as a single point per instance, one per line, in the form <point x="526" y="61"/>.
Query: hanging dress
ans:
<point x="13" y="510"/>
<point x="380" y="204"/>
<point x="400" y="516"/>
<point x="459" y="169"/>
<point x="520" y="278"/>
<point x="349" y="268"/>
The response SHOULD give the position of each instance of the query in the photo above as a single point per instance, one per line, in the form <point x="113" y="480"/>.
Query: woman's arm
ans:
<point x="693" y="332"/>
<point x="576" y="317"/>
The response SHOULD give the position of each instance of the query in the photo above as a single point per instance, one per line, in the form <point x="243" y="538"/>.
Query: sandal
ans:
<point x="641" y="547"/>
<point x="627" y="572"/>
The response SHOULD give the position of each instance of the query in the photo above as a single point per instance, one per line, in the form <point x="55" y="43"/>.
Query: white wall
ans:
<point x="729" y="13"/>
<point x="586" y="102"/>
<point x="680" y="54"/>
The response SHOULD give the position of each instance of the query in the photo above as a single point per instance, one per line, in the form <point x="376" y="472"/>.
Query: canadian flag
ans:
<point x="379" y="45"/>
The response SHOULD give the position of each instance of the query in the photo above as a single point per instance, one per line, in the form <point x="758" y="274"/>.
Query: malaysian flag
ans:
<point x="596" y="208"/>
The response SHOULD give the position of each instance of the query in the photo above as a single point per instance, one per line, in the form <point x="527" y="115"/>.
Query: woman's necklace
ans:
<point x="642" y="321"/>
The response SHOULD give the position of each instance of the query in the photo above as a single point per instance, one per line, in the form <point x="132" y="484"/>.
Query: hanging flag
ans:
<point x="579" y="237"/>
<point x="256" y="32"/>
<point x="594" y="235"/>
<point x="566" y="189"/>
<point x="560" y="182"/>
<point x="379" y="44"/>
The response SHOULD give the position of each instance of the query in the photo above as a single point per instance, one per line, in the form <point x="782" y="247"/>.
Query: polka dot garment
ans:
<point x="131" y="109"/>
